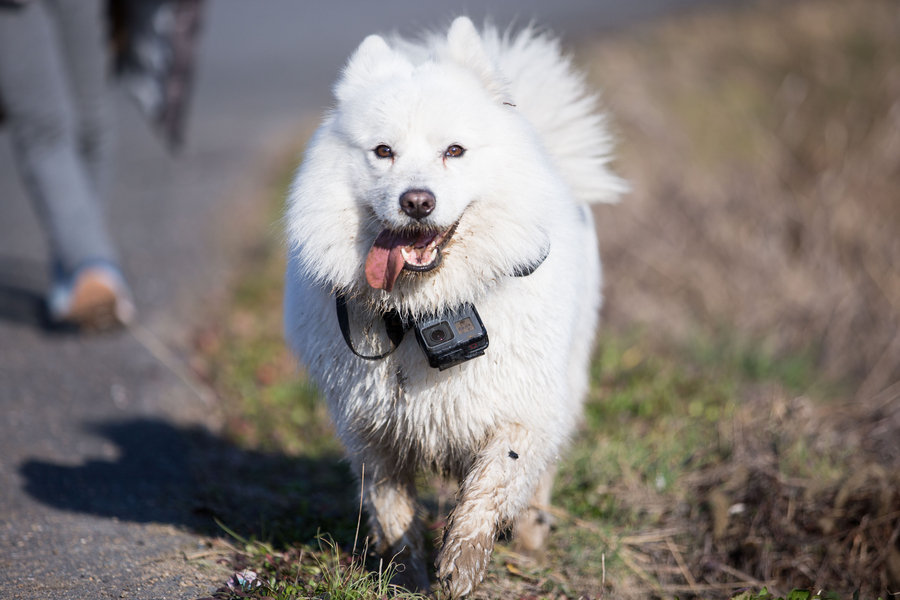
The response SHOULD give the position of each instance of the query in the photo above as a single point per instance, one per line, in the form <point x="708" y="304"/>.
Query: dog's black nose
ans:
<point x="418" y="204"/>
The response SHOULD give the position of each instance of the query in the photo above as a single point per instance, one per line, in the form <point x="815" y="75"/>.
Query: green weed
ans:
<point x="319" y="571"/>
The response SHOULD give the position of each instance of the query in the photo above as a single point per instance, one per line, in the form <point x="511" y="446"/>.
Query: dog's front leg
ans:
<point x="496" y="489"/>
<point x="390" y="498"/>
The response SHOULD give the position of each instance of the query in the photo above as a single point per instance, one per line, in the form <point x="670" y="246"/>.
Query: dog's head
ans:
<point x="424" y="183"/>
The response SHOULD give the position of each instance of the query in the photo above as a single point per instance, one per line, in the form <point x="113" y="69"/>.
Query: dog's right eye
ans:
<point x="383" y="151"/>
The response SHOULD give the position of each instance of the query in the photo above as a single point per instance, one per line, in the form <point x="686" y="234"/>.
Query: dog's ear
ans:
<point x="466" y="48"/>
<point x="372" y="60"/>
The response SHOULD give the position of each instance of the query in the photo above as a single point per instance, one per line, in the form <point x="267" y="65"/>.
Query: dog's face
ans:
<point x="432" y="163"/>
<point x="425" y="130"/>
<point x="421" y="137"/>
<point x="430" y="140"/>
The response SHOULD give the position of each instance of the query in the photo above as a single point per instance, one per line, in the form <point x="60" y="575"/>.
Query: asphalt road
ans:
<point x="96" y="432"/>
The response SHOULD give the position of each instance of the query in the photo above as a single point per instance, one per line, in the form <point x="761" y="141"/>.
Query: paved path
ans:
<point x="96" y="432"/>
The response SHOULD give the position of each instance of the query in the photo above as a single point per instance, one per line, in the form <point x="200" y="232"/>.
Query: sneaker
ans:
<point x="95" y="297"/>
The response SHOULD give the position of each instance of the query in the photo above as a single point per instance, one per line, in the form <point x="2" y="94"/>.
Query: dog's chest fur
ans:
<point x="442" y="418"/>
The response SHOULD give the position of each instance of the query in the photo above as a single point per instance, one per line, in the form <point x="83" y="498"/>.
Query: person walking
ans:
<point x="55" y="96"/>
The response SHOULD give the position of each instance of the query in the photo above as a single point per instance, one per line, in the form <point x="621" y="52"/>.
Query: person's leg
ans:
<point x="38" y="106"/>
<point x="38" y="102"/>
<point x="82" y="31"/>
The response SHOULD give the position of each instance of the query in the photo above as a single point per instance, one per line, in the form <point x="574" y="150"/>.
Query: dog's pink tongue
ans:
<point x="384" y="262"/>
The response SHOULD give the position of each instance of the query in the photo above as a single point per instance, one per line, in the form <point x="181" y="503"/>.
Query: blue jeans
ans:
<point x="54" y="88"/>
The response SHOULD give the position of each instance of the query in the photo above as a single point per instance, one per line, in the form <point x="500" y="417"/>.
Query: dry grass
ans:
<point x="763" y="146"/>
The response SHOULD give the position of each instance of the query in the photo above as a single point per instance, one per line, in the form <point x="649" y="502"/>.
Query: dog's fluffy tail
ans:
<point x="548" y="90"/>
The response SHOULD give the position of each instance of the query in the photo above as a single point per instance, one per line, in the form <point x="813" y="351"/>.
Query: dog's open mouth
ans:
<point x="394" y="251"/>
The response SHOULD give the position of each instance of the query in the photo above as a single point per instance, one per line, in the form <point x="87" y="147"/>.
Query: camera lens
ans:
<point x="437" y="334"/>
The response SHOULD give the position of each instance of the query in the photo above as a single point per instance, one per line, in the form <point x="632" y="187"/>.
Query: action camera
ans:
<point x="452" y="337"/>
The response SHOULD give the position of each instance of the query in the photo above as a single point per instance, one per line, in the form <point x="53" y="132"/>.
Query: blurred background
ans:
<point x="745" y="412"/>
<point x="763" y="148"/>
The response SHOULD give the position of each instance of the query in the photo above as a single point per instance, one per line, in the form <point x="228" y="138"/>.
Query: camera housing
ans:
<point x="452" y="337"/>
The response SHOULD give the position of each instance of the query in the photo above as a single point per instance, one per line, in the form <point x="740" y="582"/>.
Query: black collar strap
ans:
<point x="526" y="270"/>
<point x="394" y="324"/>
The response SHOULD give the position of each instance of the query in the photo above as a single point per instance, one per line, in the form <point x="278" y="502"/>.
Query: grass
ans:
<point x="739" y="439"/>
<point x="762" y="144"/>
<point x="628" y="493"/>
<point x="319" y="570"/>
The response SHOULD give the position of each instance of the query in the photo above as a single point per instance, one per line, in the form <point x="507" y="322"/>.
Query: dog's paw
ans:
<point x="462" y="561"/>
<point x="531" y="530"/>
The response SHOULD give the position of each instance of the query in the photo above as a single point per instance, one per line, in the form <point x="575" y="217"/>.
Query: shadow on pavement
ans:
<point x="21" y="293"/>
<point x="191" y="478"/>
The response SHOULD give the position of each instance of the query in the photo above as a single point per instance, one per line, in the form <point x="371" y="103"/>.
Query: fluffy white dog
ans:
<point x="451" y="173"/>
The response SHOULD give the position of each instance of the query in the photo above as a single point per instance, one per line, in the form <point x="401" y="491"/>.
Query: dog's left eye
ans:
<point x="454" y="151"/>
<point x="383" y="151"/>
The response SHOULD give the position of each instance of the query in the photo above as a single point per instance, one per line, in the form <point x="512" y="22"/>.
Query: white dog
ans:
<point x="451" y="173"/>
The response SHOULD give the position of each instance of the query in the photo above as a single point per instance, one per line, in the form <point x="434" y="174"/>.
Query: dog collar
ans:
<point x="395" y="325"/>
<point x="526" y="270"/>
